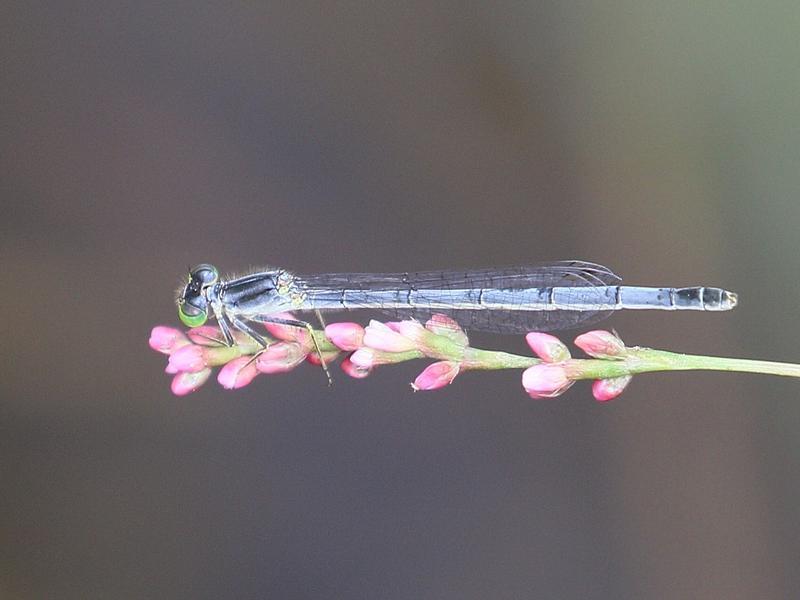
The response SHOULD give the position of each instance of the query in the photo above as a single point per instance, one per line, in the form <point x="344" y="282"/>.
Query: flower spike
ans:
<point x="193" y="354"/>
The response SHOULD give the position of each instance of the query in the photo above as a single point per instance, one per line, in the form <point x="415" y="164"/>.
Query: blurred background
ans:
<point x="138" y="139"/>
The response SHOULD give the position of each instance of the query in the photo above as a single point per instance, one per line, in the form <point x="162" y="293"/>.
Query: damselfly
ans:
<point x="544" y="297"/>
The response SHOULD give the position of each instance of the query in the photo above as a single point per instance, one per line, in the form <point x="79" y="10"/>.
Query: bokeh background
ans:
<point x="140" y="138"/>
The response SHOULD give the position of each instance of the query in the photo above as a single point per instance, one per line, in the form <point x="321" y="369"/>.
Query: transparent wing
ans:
<point x="576" y="274"/>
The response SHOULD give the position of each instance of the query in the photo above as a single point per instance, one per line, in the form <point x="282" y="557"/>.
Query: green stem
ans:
<point x="663" y="361"/>
<point x="635" y="360"/>
<point x="325" y="345"/>
<point x="443" y="348"/>
<point x="475" y="358"/>
<point x="645" y="360"/>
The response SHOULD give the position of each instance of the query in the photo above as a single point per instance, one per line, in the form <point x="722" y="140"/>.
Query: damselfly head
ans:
<point x="192" y="301"/>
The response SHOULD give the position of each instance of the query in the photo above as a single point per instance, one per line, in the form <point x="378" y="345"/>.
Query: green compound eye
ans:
<point x="192" y="316"/>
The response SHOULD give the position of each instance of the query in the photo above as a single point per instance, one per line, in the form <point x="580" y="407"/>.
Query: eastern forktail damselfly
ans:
<point x="544" y="297"/>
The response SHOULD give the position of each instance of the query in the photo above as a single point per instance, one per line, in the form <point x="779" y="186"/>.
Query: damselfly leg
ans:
<point x="291" y="323"/>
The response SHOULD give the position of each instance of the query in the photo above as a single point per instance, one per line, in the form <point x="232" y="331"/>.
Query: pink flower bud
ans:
<point x="601" y="344"/>
<point x="185" y="383"/>
<point x="547" y="347"/>
<point x="380" y="336"/>
<point x="354" y="370"/>
<point x="347" y="336"/>
<point x="412" y="330"/>
<point x="604" y="390"/>
<point x="280" y="357"/>
<point x="393" y="325"/>
<point x="546" y="380"/>
<point x="188" y="359"/>
<point x="167" y="339"/>
<point x="288" y="333"/>
<point x="364" y="358"/>
<point x="436" y="375"/>
<point x="448" y="327"/>
<point x="237" y="373"/>
<point x="368" y="358"/>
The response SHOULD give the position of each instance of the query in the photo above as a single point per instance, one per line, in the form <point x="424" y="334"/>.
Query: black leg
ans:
<point x="291" y="323"/>
<point x="245" y="328"/>
<point x="225" y="327"/>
